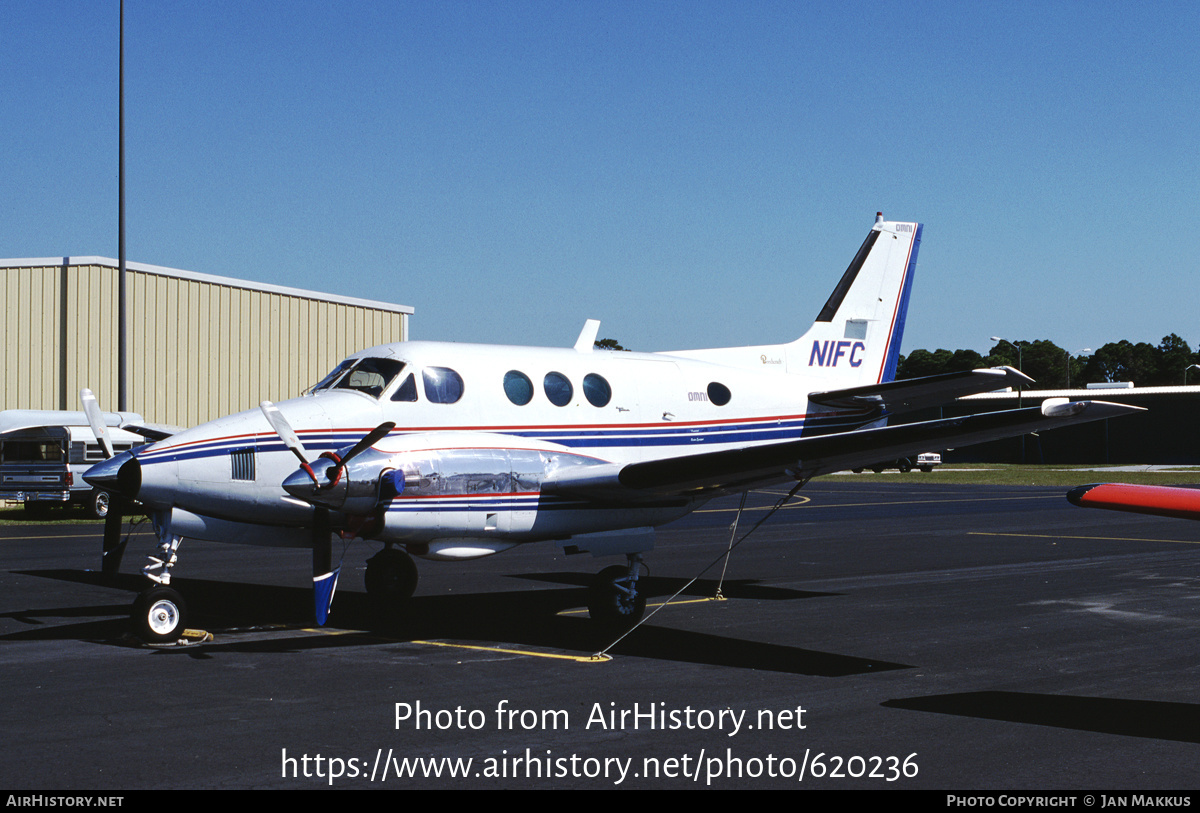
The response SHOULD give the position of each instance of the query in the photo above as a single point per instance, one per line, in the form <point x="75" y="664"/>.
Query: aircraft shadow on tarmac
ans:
<point x="1131" y="718"/>
<point x="529" y="618"/>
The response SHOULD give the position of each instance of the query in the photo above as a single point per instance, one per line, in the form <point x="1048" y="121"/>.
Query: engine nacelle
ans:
<point x="437" y="490"/>
<point x="475" y="492"/>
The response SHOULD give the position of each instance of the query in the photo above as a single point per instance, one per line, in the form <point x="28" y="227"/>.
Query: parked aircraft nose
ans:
<point x="121" y="474"/>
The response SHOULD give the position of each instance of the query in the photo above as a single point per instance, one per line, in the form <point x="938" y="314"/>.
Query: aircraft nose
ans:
<point x="121" y="474"/>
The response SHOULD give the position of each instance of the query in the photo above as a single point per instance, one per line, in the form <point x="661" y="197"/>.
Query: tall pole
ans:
<point x="1086" y="350"/>
<point x="122" y="404"/>
<point x="1020" y="387"/>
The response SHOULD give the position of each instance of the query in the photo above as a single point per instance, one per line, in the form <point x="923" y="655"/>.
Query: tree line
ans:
<point x="1053" y="367"/>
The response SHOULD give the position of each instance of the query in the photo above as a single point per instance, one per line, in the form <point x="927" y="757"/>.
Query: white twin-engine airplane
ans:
<point x="456" y="451"/>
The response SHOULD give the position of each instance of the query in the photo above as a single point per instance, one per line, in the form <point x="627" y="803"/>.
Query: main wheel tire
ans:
<point x="159" y="615"/>
<point x="905" y="467"/>
<point x="98" y="504"/>
<point x="391" y="579"/>
<point x="612" y="606"/>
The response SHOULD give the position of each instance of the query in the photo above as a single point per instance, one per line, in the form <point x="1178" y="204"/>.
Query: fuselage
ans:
<point x="512" y="413"/>
<point x="479" y="428"/>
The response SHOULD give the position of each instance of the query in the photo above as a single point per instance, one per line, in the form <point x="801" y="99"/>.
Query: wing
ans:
<point x="916" y="393"/>
<point x="1162" y="501"/>
<point x="752" y="466"/>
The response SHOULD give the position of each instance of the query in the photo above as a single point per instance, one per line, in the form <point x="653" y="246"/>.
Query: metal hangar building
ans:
<point x="199" y="346"/>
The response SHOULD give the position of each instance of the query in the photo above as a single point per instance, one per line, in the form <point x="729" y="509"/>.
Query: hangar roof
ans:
<point x="211" y="279"/>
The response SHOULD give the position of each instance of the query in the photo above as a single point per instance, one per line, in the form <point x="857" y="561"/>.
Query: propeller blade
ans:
<point x="287" y="435"/>
<point x="91" y="408"/>
<point x="370" y="439"/>
<point x="283" y="429"/>
<point x="325" y="575"/>
<point x="114" y="546"/>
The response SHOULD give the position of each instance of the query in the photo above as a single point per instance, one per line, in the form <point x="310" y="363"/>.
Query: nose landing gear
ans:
<point x="159" y="615"/>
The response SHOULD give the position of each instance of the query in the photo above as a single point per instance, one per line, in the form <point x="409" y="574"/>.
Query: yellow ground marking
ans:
<point x="324" y="631"/>
<point x="60" y="536"/>
<point x="476" y="647"/>
<point x="1095" y="538"/>
<point x="581" y="610"/>
<point x="506" y="651"/>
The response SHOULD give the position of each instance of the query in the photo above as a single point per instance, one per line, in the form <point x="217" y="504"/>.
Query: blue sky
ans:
<point x="693" y="174"/>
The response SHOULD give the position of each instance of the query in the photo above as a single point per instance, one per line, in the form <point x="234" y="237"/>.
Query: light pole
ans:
<point x="1020" y="388"/>
<point x="1020" y="358"/>
<point x="122" y="316"/>
<point x="1088" y="351"/>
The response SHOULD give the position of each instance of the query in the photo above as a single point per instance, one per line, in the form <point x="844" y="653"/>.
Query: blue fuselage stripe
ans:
<point x="615" y="437"/>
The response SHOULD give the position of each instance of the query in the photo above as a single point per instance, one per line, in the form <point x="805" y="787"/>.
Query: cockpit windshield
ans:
<point x="333" y="376"/>
<point x="369" y="375"/>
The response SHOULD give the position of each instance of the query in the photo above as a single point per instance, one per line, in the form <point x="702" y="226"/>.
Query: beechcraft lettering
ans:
<point x="452" y="451"/>
<point x="829" y="353"/>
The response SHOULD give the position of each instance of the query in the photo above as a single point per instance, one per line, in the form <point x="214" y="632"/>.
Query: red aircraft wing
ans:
<point x="1164" y="501"/>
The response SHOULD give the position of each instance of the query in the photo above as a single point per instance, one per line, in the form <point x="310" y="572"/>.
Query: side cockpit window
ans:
<point x="407" y="391"/>
<point x="442" y="385"/>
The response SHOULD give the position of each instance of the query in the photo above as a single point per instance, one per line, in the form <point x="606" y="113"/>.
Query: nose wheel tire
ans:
<point x="159" y="615"/>
<point x="613" y="600"/>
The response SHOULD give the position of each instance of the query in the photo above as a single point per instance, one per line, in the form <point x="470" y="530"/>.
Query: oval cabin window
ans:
<point x="596" y="390"/>
<point x="558" y="389"/>
<point x="719" y="394"/>
<point x="518" y="387"/>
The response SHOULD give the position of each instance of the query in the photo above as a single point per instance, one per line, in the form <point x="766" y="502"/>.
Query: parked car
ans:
<point x="925" y="462"/>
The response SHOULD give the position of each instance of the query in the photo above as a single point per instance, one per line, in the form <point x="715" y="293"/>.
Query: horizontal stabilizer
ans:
<point x="152" y="431"/>
<point x="20" y="420"/>
<point x="916" y="393"/>
<point x="1163" y="501"/>
<point x="753" y="466"/>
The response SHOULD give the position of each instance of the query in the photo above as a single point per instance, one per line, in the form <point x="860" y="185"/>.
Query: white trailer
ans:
<point x="44" y="453"/>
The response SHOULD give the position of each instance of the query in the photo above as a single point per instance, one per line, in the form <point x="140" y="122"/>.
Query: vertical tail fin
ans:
<point x="855" y="339"/>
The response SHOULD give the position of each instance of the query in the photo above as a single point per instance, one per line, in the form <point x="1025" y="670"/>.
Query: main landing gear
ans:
<point x="391" y="579"/>
<point x="614" y="598"/>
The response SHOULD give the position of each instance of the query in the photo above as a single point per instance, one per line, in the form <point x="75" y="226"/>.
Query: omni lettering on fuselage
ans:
<point x="829" y="353"/>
